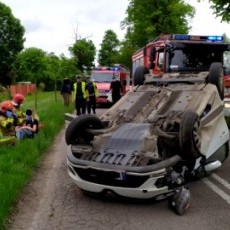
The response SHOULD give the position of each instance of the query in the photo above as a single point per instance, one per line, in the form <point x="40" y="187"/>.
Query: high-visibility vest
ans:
<point x="4" y="122"/>
<point x="95" y="89"/>
<point x="96" y="93"/>
<point x="82" y="88"/>
<point x="20" y="116"/>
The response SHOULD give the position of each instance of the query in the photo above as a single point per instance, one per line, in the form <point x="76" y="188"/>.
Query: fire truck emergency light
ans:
<point x="185" y="37"/>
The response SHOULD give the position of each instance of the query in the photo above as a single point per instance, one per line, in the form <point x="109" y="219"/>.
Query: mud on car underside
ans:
<point x="150" y="144"/>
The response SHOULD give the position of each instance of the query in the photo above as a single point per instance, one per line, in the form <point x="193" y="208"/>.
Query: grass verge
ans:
<point x="17" y="163"/>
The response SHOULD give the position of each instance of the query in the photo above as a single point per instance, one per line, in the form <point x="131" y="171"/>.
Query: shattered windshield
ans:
<point x="193" y="57"/>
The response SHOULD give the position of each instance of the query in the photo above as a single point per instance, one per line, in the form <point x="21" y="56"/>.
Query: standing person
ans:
<point x="116" y="89"/>
<point x="79" y="95"/>
<point x="92" y="94"/>
<point x="7" y="123"/>
<point x="66" y="91"/>
<point x="17" y="101"/>
<point x="29" y="128"/>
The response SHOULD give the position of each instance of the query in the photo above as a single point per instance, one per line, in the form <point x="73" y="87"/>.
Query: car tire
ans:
<point x="216" y="77"/>
<point x="76" y="131"/>
<point x="139" y="75"/>
<point x="189" y="138"/>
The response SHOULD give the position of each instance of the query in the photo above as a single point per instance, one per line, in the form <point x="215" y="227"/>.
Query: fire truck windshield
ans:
<point x="194" y="57"/>
<point x="102" y="77"/>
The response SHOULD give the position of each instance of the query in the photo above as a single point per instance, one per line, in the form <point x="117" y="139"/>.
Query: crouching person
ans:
<point x="29" y="128"/>
<point x="7" y="123"/>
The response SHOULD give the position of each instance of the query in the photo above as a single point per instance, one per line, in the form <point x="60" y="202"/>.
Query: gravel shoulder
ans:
<point x="38" y="201"/>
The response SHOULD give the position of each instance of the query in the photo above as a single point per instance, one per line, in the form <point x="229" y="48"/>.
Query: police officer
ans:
<point x="80" y="95"/>
<point x="92" y="94"/>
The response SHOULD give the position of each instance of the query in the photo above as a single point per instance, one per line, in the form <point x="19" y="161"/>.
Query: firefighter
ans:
<point x="17" y="101"/>
<point x="79" y="95"/>
<point x="7" y="123"/>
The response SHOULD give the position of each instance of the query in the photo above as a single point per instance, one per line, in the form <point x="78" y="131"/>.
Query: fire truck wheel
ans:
<point x="139" y="75"/>
<point x="76" y="131"/>
<point x="216" y="77"/>
<point x="189" y="137"/>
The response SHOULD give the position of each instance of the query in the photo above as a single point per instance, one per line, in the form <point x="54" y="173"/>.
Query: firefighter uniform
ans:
<point x="7" y="124"/>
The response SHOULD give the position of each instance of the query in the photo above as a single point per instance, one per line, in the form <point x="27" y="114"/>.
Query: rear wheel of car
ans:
<point x="139" y="75"/>
<point x="189" y="137"/>
<point x="216" y="77"/>
<point x="77" y="129"/>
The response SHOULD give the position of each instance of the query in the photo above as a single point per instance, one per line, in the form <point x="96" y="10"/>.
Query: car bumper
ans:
<point x="147" y="187"/>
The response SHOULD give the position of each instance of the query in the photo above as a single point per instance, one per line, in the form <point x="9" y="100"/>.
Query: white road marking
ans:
<point x="217" y="190"/>
<point x="221" y="180"/>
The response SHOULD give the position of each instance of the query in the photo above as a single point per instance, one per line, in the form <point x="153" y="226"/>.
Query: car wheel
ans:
<point x="189" y="137"/>
<point x="77" y="129"/>
<point x="139" y="75"/>
<point x="216" y="77"/>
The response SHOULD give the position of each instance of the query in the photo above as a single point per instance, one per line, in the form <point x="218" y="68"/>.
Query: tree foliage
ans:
<point x="146" y="19"/>
<point x="84" y="52"/>
<point x="11" y="42"/>
<point x="125" y="53"/>
<point x="31" y="65"/>
<point x="221" y="9"/>
<point x="68" y="67"/>
<point x="108" y="52"/>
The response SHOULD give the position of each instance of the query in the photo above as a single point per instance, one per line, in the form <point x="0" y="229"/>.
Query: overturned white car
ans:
<point x="168" y="130"/>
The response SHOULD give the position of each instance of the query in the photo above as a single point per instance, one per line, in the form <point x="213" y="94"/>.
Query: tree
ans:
<point x="68" y="67"/>
<point x="221" y="9"/>
<point x="53" y="70"/>
<point x="109" y="49"/>
<point x="125" y="53"/>
<point x="31" y="65"/>
<point x="84" y="52"/>
<point x="11" y="42"/>
<point x="147" y="19"/>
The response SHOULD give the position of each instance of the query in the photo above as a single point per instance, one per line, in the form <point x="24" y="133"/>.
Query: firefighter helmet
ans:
<point x="18" y="99"/>
<point x="6" y="105"/>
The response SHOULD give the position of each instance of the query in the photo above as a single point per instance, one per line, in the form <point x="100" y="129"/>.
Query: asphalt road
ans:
<point x="52" y="202"/>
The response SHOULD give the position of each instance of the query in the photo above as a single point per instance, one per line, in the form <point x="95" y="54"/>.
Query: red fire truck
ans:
<point x="183" y="53"/>
<point x="103" y="76"/>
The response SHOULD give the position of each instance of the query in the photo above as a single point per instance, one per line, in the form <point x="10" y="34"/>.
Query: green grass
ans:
<point x="18" y="162"/>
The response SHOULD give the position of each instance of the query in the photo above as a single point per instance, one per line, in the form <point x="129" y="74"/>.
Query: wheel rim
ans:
<point x="196" y="135"/>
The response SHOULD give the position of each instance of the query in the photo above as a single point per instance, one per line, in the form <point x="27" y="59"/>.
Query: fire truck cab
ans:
<point x="182" y="53"/>
<point x="103" y="76"/>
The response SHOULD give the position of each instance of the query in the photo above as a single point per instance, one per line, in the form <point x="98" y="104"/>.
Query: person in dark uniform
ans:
<point x="116" y="89"/>
<point x="80" y="95"/>
<point x="92" y="94"/>
<point x="66" y="91"/>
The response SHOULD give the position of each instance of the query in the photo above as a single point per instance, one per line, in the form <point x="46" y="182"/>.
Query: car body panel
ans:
<point x="130" y="144"/>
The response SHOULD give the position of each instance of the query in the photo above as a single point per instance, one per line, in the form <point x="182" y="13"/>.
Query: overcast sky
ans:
<point x="52" y="24"/>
